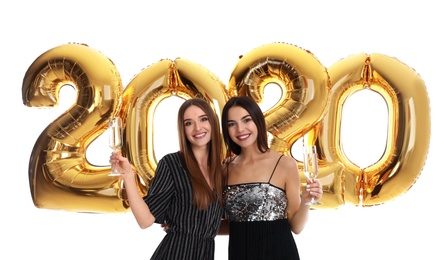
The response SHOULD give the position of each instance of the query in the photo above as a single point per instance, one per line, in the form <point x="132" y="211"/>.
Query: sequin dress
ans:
<point x="258" y="224"/>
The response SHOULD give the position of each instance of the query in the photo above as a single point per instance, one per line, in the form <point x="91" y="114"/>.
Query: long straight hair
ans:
<point x="255" y="112"/>
<point x="203" y="196"/>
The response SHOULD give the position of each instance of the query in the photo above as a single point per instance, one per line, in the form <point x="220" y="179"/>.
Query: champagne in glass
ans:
<point x="115" y="138"/>
<point x="310" y="167"/>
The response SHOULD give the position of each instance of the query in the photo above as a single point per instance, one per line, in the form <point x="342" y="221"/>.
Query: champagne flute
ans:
<point x="310" y="167"/>
<point x="115" y="138"/>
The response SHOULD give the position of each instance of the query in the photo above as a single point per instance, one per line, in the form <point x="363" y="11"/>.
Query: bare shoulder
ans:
<point x="286" y="171"/>
<point x="290" y="171"/>
<point x="284" y="161"/>
<point x="288" y="163"/>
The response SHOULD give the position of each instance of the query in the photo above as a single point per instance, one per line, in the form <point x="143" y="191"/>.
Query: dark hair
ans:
<point x="255" y="112"/>
<point x="203" y="195"/>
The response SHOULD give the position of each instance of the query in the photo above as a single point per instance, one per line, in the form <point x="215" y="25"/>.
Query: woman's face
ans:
<point x="197" y="126"/>
<point x="241" y="127"/>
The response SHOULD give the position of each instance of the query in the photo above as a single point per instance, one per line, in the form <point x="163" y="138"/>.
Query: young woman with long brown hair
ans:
<point x="186" y="192"/>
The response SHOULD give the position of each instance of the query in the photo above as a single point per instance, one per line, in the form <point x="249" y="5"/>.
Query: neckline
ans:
<point x="255" y="183"/>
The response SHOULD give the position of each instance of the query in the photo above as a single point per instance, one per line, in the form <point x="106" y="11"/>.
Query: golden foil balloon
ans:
<point x="59" y="174"/>
<point x="309" y="107"/>
<point x="408" y="132"/>
<point x="305" y="86"/>
<point x="179" y="78"/>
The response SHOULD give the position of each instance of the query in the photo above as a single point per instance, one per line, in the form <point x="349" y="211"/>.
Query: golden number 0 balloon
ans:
<point x="181" y="78"/>
<point x="408" y="128"/>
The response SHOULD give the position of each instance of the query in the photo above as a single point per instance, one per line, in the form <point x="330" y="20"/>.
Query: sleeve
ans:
<point x="160" y="191"/>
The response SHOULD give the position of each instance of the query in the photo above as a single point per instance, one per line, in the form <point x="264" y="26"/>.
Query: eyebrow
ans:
<point x="201" y="116"/>
<point x="244" y="117"/>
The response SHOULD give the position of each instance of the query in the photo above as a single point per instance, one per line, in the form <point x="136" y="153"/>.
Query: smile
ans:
<point x="243" y="137"/>
<point x="199" y="135"/>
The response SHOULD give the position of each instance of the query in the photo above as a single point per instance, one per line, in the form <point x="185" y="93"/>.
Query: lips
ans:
<point x="243" y="137"/>
<point x="199" y="136"/>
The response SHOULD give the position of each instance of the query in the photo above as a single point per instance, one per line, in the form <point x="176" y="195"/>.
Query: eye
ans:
<point x="230" y="124"/>
<point x="187" y="123"/>
<point x="247" y="119"/>
<point x="204" y="119"/>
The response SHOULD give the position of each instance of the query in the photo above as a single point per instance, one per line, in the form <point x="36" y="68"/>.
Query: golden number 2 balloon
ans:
<point x="305" y="87"/>
<point x="304" y="84"/>
<point x="59" y="174"/>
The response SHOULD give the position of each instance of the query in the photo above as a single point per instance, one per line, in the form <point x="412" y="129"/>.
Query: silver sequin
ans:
<point x="254" y="202"/>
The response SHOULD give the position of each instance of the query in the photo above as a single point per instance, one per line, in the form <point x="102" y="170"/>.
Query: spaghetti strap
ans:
<point x="272" y="174"/>
<point x="227" y="174"/>
<point x="227" y="163"/>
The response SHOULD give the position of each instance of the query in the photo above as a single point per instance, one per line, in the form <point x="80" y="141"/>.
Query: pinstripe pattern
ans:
<point x="192" y="232"/>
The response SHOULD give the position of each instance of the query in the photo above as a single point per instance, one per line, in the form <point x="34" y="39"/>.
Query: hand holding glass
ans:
<point x="310" y="167"/>
<point x="115" y="138"/>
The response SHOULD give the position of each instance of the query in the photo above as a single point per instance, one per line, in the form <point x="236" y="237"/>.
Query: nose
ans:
<point x="198" y="126"/>
<point x="239" y="127"/>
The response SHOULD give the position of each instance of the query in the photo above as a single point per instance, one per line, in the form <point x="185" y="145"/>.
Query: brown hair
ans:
<point x="203" y="196"/>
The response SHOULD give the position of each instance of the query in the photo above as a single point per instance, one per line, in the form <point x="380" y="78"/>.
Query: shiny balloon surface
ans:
<point x="310" y="107"/>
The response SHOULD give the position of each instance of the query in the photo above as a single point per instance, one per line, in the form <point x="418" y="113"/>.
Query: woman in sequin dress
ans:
<point x="186" y="192"/>
<point x="261" y="197"/>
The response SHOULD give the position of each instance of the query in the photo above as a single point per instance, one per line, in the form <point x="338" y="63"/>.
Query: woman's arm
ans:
<point x="139" y="208"/>
<point x="297" y="210"/>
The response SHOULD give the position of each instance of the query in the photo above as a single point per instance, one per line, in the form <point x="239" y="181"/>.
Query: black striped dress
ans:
<point x="192" y="232"/>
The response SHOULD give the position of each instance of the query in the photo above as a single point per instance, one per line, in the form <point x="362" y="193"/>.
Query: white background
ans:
<point x="135" y="34"/>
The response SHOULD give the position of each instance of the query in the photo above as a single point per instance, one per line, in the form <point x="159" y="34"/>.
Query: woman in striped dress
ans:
<point x="186" y="192"/>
